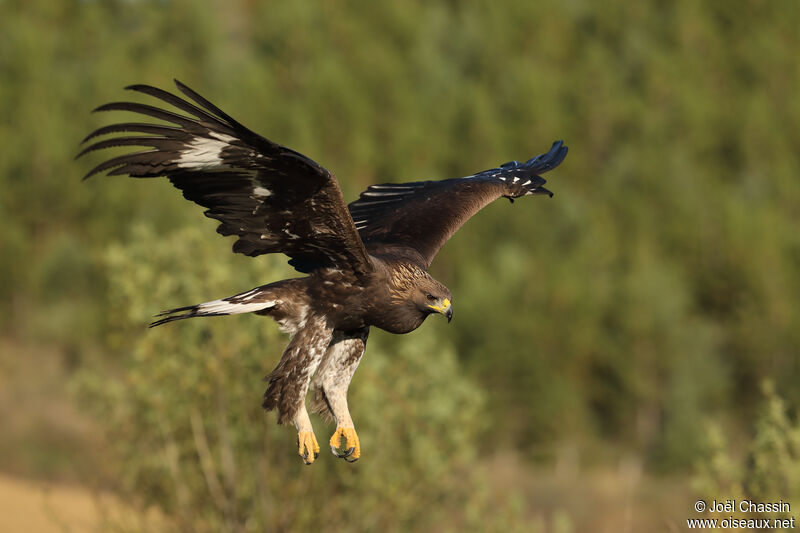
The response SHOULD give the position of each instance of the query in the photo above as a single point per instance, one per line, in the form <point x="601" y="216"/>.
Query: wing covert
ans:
<point x="416" y="219"/>
<point x="272" y="198"/>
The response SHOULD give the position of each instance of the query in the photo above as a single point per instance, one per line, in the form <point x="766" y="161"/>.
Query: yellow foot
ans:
<point x="352" y="444"/>
<point x="307" y="446"/>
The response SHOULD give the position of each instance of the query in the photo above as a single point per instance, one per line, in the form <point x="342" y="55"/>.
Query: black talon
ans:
<point x="316" y="454"/>
<point x="347" y="453"/>
<point x="349" y="459"/>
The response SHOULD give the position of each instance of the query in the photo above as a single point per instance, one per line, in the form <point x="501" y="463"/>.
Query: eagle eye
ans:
<point x="430" y="297"/>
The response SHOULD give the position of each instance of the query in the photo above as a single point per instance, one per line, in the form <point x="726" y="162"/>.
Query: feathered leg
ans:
<point x="331" y="383"/>
<point x="288" y="383"/>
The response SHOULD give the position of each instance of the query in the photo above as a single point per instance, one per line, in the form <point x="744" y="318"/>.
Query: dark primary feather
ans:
<point x="273" y="198"/>
<point x="416" y="219"/>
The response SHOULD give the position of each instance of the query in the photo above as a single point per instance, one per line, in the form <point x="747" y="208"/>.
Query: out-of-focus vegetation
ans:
<point x="193" y="441"/>
<point x="767" y="470"/>
<point x="656" y="291"/>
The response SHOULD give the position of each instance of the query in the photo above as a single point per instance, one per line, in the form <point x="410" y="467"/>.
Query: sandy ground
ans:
<point x="44" y="507"/>
<point x="33" y="507"/>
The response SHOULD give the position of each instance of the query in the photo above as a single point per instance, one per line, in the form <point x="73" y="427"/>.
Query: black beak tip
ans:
<point x="449" y="315"/>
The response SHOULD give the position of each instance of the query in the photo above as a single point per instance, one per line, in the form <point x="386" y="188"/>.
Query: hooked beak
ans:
<point x="446" y="309"/>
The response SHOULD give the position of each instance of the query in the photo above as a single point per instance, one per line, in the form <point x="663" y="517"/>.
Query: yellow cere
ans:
<point x="440" y="308"/>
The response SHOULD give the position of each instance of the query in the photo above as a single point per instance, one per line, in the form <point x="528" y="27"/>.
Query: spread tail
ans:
<point x="257" y="299"/>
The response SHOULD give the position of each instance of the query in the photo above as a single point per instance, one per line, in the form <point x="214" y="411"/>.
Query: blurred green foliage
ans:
<point x="656" y="289"/>
<point x="766" y="470"/>
<point x="188" y="430"/>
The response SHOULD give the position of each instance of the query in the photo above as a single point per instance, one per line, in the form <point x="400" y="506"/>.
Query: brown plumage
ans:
<point x="366" y="262"/>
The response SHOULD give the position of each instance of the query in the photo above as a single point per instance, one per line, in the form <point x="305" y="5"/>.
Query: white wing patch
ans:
<point x="227" y="307"/>
<point x="205" y="154"/>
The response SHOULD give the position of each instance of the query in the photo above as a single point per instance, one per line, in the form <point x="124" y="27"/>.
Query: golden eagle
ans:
<point x="366" y="262"/>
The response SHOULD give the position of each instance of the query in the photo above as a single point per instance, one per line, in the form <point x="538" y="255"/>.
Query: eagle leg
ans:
<point x="307" y="446"/>
<point x="289" y="382"/>
<point x="331" y="383"/>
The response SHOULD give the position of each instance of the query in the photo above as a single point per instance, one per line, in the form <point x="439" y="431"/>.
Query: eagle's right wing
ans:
<point x="273" y="198"/>
<point x="416" y="219"/>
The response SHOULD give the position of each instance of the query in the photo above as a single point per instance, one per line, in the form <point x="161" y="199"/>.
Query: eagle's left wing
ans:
<point x="273" y="198"/>
<point x="416" y="219"/>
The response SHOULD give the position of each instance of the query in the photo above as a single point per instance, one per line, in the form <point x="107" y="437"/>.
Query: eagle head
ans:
<point x="431" y="296"/>
<point x="414" y="295"/>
